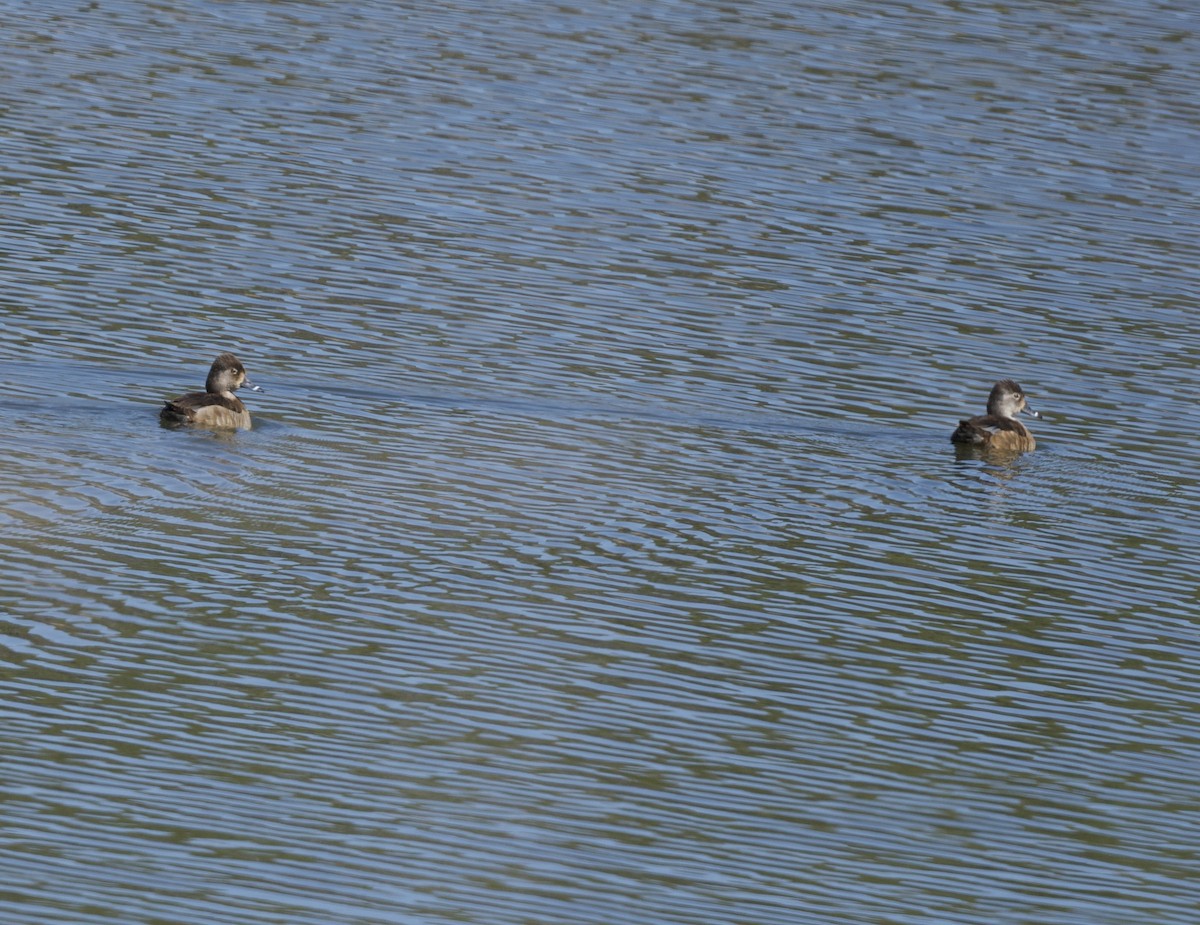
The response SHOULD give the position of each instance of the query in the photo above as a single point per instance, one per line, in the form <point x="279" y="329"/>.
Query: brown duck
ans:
<point x="216" y="407"/>
<point x="999" y="429"/>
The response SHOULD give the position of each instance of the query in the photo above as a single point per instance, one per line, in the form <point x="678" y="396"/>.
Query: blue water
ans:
<point x="598" y="553"/>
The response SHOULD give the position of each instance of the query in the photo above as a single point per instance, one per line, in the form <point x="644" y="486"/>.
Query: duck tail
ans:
<point x="171" y="413"/>
<point x="966" y="433"/>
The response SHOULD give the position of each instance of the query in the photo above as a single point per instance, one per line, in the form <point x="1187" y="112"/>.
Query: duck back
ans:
<point x="206" y="410"/>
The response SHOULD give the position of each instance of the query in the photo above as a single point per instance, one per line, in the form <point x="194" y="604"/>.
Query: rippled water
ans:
<point x="598" y="554"/>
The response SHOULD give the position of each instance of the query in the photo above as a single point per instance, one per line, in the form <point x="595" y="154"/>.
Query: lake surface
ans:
<point x="598" y="554"/>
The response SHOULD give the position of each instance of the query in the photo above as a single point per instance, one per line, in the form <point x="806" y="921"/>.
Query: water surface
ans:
<point x="598" y="553"/>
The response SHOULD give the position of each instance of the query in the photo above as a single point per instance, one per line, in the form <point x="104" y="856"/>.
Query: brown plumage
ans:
<point x="999" y="429"/>
<point x="216" y="407"/>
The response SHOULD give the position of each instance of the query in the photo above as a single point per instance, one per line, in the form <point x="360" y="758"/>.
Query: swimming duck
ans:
<point x="216" y="407"/>
<point x="999" y="429"/>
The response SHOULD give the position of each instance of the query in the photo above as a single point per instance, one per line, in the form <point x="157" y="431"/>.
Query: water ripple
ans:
<point x="599" y="553"/>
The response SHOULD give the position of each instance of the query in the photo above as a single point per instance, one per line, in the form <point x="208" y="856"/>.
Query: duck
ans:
<point x="216" y="407"/>
<point x="999" y="429"/>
